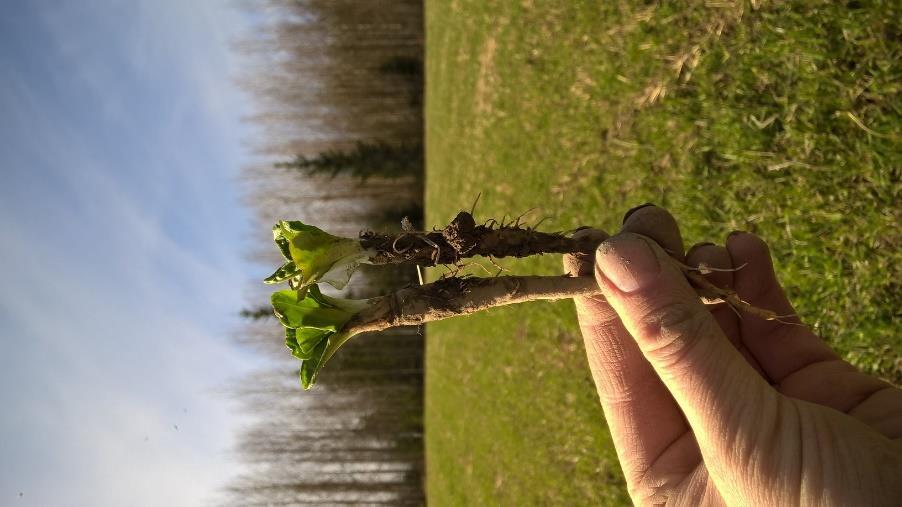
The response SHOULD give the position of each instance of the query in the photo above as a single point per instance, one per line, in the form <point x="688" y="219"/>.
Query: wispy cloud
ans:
<point x="121" y="254"/>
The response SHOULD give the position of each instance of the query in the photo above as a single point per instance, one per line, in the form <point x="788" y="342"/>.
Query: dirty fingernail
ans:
<point x="628" y="262"/>
<point x="699" y="245"/>
<point x="633" y="210"/>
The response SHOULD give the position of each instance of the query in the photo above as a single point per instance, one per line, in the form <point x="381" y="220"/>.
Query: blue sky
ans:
<point x="122" y="243"/>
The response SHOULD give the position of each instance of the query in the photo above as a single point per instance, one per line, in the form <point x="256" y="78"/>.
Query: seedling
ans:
<point x="316" y="325"/>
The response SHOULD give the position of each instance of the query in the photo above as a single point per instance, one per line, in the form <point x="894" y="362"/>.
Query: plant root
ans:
<point x="463" y="238"/>
<point x="453" y="295"/>
<point x="712" y="294"/>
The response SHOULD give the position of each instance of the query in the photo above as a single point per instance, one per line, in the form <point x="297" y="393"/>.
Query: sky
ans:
<point x="122" y="240"/>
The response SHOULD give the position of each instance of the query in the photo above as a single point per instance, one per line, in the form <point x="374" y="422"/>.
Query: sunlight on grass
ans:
<point x="782" y="120"/>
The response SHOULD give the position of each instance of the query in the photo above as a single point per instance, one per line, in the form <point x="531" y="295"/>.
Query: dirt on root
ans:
<point x="463" y="238"/>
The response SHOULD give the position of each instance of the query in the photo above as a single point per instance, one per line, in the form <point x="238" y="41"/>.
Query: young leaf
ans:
<point x="349" y="305"/>
<point x="311" y="367"/>
<point x="302" y="342"/>
<point x="285" y="272"/>
<point x="313" y="325"/>
<point x="296" y="311"/>
<point x="315" y="256"/>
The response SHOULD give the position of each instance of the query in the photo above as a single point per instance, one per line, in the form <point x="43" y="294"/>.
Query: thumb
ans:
<point x="721" y="395"/>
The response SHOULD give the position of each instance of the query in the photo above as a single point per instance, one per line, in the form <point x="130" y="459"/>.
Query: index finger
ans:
<point x="644" y="419"/>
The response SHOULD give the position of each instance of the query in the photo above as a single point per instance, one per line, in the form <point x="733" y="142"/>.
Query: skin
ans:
<point x="707" y="407"/>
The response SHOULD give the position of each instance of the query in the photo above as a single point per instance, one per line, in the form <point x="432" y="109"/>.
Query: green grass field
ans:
<point x="780" y="120"/>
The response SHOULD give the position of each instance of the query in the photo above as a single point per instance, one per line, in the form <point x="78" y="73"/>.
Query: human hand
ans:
<point x="707" y="407"/>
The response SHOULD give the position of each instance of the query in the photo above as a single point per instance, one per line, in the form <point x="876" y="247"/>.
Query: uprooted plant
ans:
<point x="317" y="325"/>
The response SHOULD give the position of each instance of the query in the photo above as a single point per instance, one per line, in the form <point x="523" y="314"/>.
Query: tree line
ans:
<point x="337" y="86"/>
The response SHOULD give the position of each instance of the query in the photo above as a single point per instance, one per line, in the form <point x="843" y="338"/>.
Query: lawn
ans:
<point x="783" y="120"/>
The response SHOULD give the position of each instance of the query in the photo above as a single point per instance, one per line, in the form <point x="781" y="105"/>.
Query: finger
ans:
<point x="781" y="349"/>
<point x="797" y="360"/>
<point x="642" y="416"/>
<point x="634" y="400"/>
<point x="580" y="264"/>
<point x="840" y="386"/>
<point x="882" y="410"/>
<point x="681" y="340"/>
<point x="681" y="453"/>
<point x="709" y="255"/>
<point x="658" y="224"/>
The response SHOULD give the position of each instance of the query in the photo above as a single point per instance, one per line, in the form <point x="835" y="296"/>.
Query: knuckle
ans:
<point x="621" y="389"/>
<point x="669" y="334"/>
<point x="596" y="314"/>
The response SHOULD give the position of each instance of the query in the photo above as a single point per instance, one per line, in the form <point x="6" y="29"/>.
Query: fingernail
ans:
<point x="699" y="245"/>
<point x="628" y="262"/>
<point x="633" y="210"/>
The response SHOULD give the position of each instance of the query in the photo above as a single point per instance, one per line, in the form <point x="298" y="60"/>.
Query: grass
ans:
<point x="783" y="120"/>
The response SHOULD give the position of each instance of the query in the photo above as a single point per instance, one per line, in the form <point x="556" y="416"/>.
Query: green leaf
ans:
<point x="310" y="367"/>
<point x="286" y="272"/>
<point x="281" y="242"/>
<point x="317" y="256"/>
<point x="348" y="305"/>
<point x="302" y="342"/>
<point x="294" y="310"/>
<point x="313" y="326"/>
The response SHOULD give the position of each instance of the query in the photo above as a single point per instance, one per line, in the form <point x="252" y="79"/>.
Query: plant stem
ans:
<point x="455" y="296"/>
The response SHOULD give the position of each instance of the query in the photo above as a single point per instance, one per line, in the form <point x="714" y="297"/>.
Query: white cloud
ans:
<point x="105" y="362"/>
<point x="114" y="310"/>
